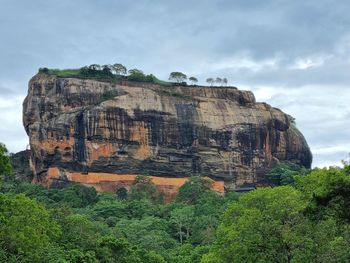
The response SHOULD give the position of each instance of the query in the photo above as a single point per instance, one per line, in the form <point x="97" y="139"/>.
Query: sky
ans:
<point x="294" y="55"/>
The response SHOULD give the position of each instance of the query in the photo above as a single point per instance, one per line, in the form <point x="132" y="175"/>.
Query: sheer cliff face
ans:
<point x="96" y="128"/>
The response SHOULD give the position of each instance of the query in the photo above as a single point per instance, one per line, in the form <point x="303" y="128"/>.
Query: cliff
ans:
<point x="103" y="134"/>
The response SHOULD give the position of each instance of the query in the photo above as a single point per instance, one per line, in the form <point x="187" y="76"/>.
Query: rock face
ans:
<point x="20" y="165"/>
<point x="93" y="127"/>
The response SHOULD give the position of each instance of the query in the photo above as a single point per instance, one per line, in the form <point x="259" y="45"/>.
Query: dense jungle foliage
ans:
<point x="306" y="219"/>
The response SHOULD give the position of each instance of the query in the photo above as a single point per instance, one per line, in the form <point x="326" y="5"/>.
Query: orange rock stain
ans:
<point x="50" y="145"/>
<point x="111" y="182"/>
<point x="140" y="133"/>
<point x="97" y="150"/>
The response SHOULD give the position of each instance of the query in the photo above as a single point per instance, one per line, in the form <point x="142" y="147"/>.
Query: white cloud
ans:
<point x="305" y="63"/>
<point x="243" y="62"/>
<point x="330" y="149"/>
<point x="296" y="54"/>
<point x="11" y="129"/>
<point x="322" y="115"/>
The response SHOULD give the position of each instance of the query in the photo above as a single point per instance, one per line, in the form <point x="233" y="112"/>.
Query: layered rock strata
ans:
<point x="95" y="128"/>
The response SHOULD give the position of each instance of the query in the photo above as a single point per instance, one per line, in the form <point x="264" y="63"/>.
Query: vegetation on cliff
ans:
<point x="111" y="73"/>
<point x="304" y="221"/>
<point x="118" y="72"/>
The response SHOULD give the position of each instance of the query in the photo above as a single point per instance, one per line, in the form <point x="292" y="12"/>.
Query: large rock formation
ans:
<point x="103" y="134"/>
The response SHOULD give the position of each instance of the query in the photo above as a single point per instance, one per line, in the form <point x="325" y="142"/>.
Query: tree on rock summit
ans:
<point x="177" y="76"/>
<point x="193" y="80"/>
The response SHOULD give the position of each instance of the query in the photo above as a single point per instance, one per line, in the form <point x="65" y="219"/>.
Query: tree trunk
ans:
<point x="180" y="233"/>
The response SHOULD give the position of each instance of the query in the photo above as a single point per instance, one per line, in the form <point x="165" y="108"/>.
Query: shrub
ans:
<point x="43" y="70"/>
<point x="111" y="73"/>
<point x="107" y="95"/>
<point x="193" y="189"/>
<point x="283" y="173"/>
<point x="144" y="188"/>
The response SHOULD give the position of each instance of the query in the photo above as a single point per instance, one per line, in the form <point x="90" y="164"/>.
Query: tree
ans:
<point x="193" y="80"/>
<point x="210" y="81"/>
<point x="110" y="210"/>
<point x="193" y="189"/>
<point x="187" y="253"/>
<point x="122" y="193"/>
<point x="328" y="190"/>
<point x="150" y="233"/>
<point x="95" y="67"/>
<point x="25" y="227"/>
<point x="283" y="173"/>
<point x="346" y="168"/>
<point x="107" y="69"/>
<point x="271" y="225"/>
<point x="139" y="208"/>
<point x="5" y="161"/>
<point x="203" y="230"/>
<point x="150" y="78"/>
<point x="44" y="70"/>
<point x="114" y="250"/>
<point x="182" y="218"/>
<point x="144" y="188"/>
<point x="177" y="76"/>
<point x="260" y="228"/>
<point x="224" y="80"/>
<point x="80" y="232"/>
<point x="119" y="69"/>
<point x="135" y="71"/>
<point x="218" y="80"/>
<point x="136" y="75"/>
<point x="78" y="195"/>
<point x="76" y="255"/>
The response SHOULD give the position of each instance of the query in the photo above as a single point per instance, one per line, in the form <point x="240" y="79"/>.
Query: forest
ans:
<point x="304" y="218"/>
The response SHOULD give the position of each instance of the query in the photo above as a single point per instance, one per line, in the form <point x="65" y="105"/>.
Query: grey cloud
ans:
<point x="198" y="37"/>
<point x="323" y="117"/>
<point x="6" y="93"/>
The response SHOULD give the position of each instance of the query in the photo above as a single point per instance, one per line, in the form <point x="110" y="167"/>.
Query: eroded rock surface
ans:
<point x="91" y="127"/>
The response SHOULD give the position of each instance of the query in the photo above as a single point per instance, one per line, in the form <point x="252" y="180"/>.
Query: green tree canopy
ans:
<point x="328" y="190"/>
<point x="144" y="188"/>
<point x="193" y="80"/>
<point x="257" y="228"/>
<point x="119" y="69"/>
<point x="135" y="71"/>
<point x="78" y="195"/>
<point x="283" y="173"/>
<point x="177" y="76"/>
<point x="25" y="227"/>
<point x="210" y="81"/>
<point x="5" y="161"/>
<point x="136" y="75"/>
<point x="218" y="80"/>
<point x="95" y="67"/>
<point x="193" y="189"/>
<point x="182" y="218"/>
<point x="150" y="233"/>
<point x="269" y="225"/>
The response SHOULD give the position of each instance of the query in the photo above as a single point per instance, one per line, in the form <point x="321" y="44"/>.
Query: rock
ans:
<point x="91" y="128"/>
<point x="20" y="165"/>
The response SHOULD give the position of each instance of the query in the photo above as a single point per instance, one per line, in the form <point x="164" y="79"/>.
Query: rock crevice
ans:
<point x="90" y="126"/>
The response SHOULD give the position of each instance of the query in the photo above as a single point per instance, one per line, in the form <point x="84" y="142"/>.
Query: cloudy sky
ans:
<point x="294" y="55"/>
